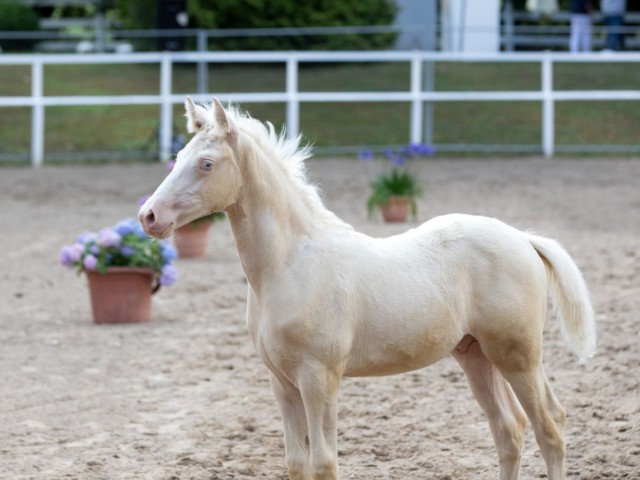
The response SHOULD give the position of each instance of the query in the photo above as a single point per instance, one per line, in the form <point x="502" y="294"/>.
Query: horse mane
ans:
<point x="287" y="154"/>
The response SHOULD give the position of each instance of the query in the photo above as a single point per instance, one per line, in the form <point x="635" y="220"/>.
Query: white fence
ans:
<point x="420" y="94"/>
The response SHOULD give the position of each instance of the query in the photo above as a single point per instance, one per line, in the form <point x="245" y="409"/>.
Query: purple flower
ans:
<point x="75" y="252"/>
<point x="365" y="154"/>
<point x="124" y="244"/>
<point x="108" y="237"/>
<point x="398" y="160"/>
<point x="65" y="256"/>
<point x="388" y="153"/>
<point x="139" y="232"/>
<point x="421" y="149"/>
<point x="169" y="252"/>
<point x="127" y="250"/>
<point x="169" y="275"/>
<point x="90" y="262"/>
<point x="125" y="227"/>
<point x="143" y="199"/>
<point x="86" y="237"/>
<point x="171" y="164"/>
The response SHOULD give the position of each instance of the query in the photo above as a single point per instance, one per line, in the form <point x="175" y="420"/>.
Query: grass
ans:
<point x="128" y="128"/>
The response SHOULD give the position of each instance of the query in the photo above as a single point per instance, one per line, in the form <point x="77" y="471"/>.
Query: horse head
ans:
<point x="206" y="177"/>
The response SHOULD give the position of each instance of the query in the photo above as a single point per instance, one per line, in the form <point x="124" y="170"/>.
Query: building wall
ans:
<point x="470" y="25"/>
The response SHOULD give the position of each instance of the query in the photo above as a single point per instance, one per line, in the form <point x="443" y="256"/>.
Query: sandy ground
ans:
<point x="186" y="397"/>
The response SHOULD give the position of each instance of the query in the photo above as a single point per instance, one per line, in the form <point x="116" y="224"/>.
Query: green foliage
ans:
<point x="212" y="217"/>
<point x="16" y="17"/>
<point x="123" y="245"/>
<point x="397" y="183"/>
<point x="140" y="14"/>
<point x="228" y="14"/>
<point x="293" y="13"/>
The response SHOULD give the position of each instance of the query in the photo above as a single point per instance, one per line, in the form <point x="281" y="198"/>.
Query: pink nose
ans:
<point x="157" y="221"/>
<point x="147" y="220"/>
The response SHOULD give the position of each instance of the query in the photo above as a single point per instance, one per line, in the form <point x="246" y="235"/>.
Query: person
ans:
<point x="613" y="16"/>
<point x="580" y="26"/>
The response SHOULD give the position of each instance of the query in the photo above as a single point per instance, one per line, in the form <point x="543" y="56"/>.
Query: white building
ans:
<point x="465" y="25"/>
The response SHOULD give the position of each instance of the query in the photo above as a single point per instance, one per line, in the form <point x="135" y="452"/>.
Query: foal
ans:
<point x="325" y="301"/>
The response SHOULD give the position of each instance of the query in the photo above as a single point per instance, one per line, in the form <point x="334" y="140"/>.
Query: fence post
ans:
<point x="507" y="17"/>
<point x="37" y="113"/>
<point x="416" y="102"/>
<point x="166" y="108"/>
<point x="428" y="85"/>
<point x="293" y="104"/>
<point x="203" y="67"/>
<point x="547" y="106"/>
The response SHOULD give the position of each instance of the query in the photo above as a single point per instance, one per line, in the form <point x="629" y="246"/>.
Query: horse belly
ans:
<point x="401" y="346"/>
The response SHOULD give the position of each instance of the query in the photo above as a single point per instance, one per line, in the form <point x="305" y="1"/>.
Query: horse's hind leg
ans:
<point x="506" y="417"/>
<point x="519" y="358"/>
<point x="546" y="415"/>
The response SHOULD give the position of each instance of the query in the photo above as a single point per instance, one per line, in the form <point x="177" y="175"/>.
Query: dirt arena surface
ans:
<point x="186" y="397"/>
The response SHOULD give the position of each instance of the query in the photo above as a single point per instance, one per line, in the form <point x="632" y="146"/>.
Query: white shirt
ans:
<point x="613" y="7"/>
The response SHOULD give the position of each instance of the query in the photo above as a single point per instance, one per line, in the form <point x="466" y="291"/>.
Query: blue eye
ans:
<point x="206" y="164"/>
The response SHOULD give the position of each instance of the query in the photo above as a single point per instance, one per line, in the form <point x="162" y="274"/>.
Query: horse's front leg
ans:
<point x="319" y="390"/>
<point x="295" y="428"/>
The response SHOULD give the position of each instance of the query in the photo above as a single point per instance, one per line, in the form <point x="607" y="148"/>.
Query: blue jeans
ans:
<point x="615" y="39"/>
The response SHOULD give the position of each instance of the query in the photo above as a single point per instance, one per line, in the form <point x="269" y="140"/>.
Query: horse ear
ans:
<point x="195" y="116"/>
<point x="221" y="116"/>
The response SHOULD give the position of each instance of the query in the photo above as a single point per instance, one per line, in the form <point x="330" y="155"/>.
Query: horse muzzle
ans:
<point x="154" y="222"/>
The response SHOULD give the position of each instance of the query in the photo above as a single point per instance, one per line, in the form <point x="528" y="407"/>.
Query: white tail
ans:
<point x="570" y="297"/>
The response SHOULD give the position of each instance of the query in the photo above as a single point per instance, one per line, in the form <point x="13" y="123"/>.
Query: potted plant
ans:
<point x="124" y="267"/>
<point x="191" y="239"/>
<point x="395" y="192"/>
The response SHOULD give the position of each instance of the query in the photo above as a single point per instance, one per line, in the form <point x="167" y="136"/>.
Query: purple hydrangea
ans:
<point x="107" y="237"/>
<point x="140" y="233"/>
<point x="420" y="149"/>
<point x="169" y="252"/>
<point x="90" y="262"/>
<point x="125" y="227"/>
<point x="124" y="244"/>
<point x="398" y="160"/>
<point x="169" y="275"/>
<point x="86" y="237"/>
<point x="127" y="250"/>
<point x="365" y="154"/>
<point x="65" y="256"/>
<point x="75" y="252"/>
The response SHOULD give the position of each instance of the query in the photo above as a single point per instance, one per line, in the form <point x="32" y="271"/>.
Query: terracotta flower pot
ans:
<point x="396" y="209"/>
<point x="122" y="295"/>
<point x="191" y="240"/>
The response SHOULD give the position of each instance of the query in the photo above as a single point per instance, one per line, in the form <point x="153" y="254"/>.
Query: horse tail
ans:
<point x="570" y="297"/>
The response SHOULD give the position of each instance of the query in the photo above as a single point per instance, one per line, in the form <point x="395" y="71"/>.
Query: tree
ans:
<point x="16" y="17"/>
<point x="228" y="14"/>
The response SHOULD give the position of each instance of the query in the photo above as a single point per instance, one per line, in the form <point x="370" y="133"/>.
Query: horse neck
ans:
<point x="271" y="217"/>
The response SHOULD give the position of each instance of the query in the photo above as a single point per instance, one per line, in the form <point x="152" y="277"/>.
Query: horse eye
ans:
<point x="206" y="164"/>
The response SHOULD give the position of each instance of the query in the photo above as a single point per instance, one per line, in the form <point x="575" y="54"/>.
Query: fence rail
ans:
<point x="420" y="95"/>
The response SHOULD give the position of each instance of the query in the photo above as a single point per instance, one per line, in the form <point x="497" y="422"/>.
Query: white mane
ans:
<point x="286" y="153"/>
<point x="289" y="152"/>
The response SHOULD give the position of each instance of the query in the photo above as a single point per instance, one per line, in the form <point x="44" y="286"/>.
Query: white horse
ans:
<point x="326" y="301"/>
